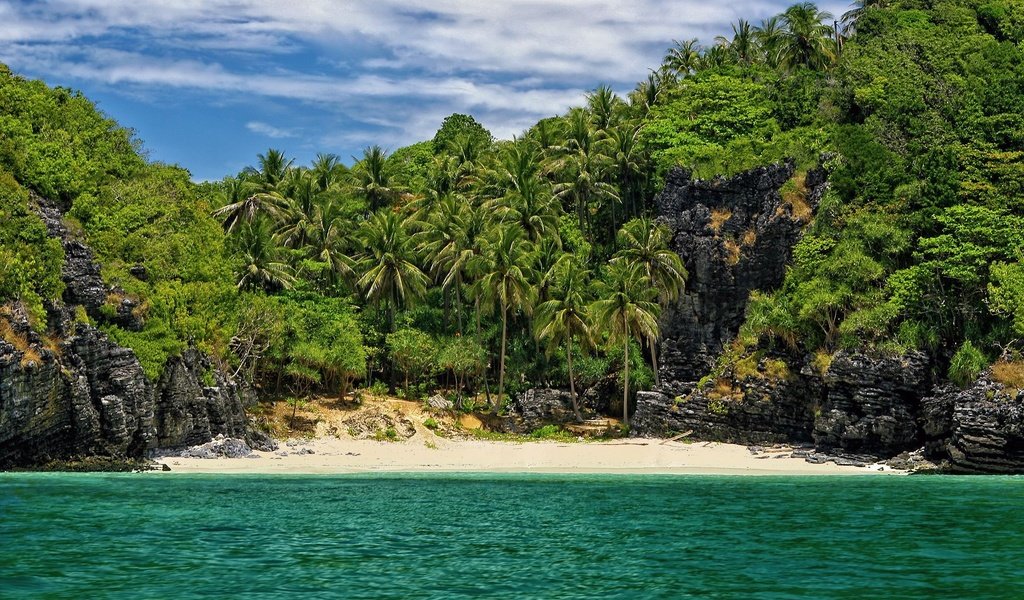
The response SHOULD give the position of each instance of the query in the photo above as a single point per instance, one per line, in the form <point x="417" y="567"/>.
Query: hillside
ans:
<point x="798" y="232"/>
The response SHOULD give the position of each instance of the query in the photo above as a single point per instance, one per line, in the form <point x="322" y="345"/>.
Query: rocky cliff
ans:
<point x="74" y="393"/>
<point x="736" y="235"/>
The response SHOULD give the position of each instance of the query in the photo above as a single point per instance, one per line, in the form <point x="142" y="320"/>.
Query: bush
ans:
<point x="967" y="364"/>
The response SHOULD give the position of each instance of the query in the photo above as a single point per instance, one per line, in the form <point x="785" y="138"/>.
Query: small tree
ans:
<point x="414" y="352"/>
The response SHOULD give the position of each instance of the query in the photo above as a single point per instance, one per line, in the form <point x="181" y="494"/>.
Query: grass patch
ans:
<point x="794" y="196"/>
<point x="719" y="218"/>
<point x="1010" y="374"/>
<point x="732" y="250"/>
<point x="386" y="435"/>
<point x="749" y="237"/>
<point x="29" y="355"/>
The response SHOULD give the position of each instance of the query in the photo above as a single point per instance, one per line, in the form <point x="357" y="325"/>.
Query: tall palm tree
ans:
<point x="627" y="310"/>
<point x="506" y="282"/>
<point x="682" y="58"/>
<point x="242" y="203"/>
<point x="629" y="164"/>
<point x="327" y="171"/>
<point x="584" y="162"/>
<point x="373" y="178"/>
<point x="272" y="169"/>
<point x="644" y="244"/>
<point x="261" y="265"/>
<point x="769" y="37"/>
<point x="329" y="242"/>
<point x="565" y="318"/>
<point x="807" y="39"/>
<point x="603" y="104"/>
<point x="390" y="274"/>
<point x="743" y="44"/>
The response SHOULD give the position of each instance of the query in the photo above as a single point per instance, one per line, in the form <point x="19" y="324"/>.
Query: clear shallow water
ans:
<point x="509" y="536"/>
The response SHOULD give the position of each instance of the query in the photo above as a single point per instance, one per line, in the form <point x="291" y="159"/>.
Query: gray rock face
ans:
<point x="538" y="407"/>
<point x="977" y="430"/>
<point x="220" y="446"/>
<point x="734" y="236"/>
<point x="79" y="394"/>
<point x="873" y="404"/>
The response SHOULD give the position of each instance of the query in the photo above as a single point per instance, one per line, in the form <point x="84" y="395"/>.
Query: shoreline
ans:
<point x="422" y="454"/>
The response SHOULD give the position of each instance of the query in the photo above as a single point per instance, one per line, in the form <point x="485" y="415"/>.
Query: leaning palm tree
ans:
<point x="506" y="282"/>
<point x="858" y="10"/>
<point x="644" y="244"/>
<point x="565" y="319"/>
<point x="627" y="310"/>
<point x="807" y="40"/>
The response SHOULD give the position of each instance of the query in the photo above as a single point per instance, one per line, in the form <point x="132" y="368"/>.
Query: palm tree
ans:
<point x="261" y="264"/>
<point x="628" y="310"/>
<point x="373" y="178"/>
<point x="682" y="58"/>
<point x="629" y="164"/>
<point x="603" y="104"/>
<point x="527" y="198"/>
<point x="769" y="37"/>
<point x="566" y="318"/>
<point x="806" y="39"/>
<point x="329" y="241"/>
<point x="273" y="167"/>
<point x="506" y="281"/>
<point x="242" y="203"/>
<point x="860" y="7"/>
<point x="743" y="44"/>
<point x="327" y="171"/>
<point x="646" y="94"/>
<point x="584" y="163"/>
<point x="644" y="244"/>
<point x="390" y="273"/>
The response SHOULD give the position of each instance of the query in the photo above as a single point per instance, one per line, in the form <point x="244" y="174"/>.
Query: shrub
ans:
<point x="967" y="364"/>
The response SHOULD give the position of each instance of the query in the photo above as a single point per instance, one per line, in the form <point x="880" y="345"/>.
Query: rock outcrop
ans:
<point x="75" y="393"/>
<point x="734" y="236"/>
<point x="976" y="430"/>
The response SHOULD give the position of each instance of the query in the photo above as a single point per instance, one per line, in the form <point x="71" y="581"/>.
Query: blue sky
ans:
<point x="208" y="85"/>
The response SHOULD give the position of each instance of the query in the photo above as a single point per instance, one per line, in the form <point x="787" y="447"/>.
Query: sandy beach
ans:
<point x="436" y="454"/>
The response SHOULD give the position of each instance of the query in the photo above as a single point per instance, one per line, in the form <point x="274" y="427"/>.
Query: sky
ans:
<point x="210" y="84"/>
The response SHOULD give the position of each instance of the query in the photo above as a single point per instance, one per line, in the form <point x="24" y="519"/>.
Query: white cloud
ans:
<point x="269" y="130"/>
<point x="396" y="66"/>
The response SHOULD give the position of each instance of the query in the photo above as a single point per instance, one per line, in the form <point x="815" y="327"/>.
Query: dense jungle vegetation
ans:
<point x="484" y="266"/>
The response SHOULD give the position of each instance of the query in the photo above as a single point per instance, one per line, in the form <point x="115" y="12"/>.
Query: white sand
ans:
<point x="434" y="454"/>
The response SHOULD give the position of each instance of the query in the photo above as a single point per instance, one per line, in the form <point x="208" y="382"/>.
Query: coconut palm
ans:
<point x="769" y="37"/>
<point x="628" y="164"/>
<point x="682" y="58"/>
<point x="603" y="104"/>
<point x="328" y="171"/>
<point x="859" y="8"/>
<point x="584" y="162"/>
<point x="390" y="275"/>
<point x="328" y="242"/>
<point x="627" y="311"/>
<point x="373" y="178"/>
<point x="506" y="282"/>
<point x="806" y="38"/>
<point x="644" y="244"/>
<point x="565" y="319"/>
<point x="262" y="267"/>
<point x="743" y="44"/>
<point x="272" y="169"/>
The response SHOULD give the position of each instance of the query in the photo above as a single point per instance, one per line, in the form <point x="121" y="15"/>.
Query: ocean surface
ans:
<point x="509" y="536"/>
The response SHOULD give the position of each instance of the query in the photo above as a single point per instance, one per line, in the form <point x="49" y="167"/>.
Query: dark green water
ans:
<point x="509" y="536"/>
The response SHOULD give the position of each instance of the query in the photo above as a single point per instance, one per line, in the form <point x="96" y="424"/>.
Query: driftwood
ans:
<point x="674" y="438"/>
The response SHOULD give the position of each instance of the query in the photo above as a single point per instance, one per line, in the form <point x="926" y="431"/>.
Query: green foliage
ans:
<point x="414" y="352"/>
<point x="30" y="262"/>
<point x="457" y="126"/>
<point x="967" y="364"/>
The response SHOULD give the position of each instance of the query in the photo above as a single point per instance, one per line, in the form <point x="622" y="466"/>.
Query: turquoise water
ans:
<point x="509" y="536"/>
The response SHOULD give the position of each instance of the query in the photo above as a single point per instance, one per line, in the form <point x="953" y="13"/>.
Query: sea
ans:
<point x="153" y="535"/>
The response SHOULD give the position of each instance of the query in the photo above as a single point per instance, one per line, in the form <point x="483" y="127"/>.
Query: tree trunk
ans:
<point x="458" y="300"/>
<point x="654" y="361"/>
<point x="391" y="363"/>
<point x="501" y="363"/>
<point x="625" y="383"/>
<point x="572" y="384"/>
